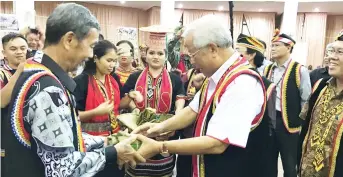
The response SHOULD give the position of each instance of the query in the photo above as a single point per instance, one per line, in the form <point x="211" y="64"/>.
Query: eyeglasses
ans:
<point x="338" y="52"/>
<point x="192" y="55"/>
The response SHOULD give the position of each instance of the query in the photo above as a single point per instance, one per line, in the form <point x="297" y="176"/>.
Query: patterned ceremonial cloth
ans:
<point x="320" y="145"/>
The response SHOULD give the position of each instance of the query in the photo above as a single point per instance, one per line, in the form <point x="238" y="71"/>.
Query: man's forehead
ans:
<point x="16" y="42"/>
<point x="338" y="45"/>
<point x="278" y="43"/>
<point x="32" y="35"/>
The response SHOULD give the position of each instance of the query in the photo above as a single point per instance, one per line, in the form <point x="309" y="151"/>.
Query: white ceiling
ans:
<point x="331" y="7"/>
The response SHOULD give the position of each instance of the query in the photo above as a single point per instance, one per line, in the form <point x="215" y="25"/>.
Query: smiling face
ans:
<point x="33" y="40"/>
<point x="156" y="57"/>
<point x="15" y="52"/>
<point x="336" y="60"/>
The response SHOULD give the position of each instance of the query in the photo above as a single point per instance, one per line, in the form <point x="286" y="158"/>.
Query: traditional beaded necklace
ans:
<point x="113" y="120"/>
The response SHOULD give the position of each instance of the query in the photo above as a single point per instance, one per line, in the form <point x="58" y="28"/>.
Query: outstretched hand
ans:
<point x="149" y="129"/>
<point x="126" y="154"/>
<point x="149" y="147"/>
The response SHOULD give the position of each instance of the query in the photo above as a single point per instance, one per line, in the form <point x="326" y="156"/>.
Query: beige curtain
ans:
<point x="109" y="17"/>
<point x="334" y="26"/>
<point x="262" y="26"/>
<point x="154" y="17"/>
<point x="6" y="7"/>
<point x="311" y="28"/>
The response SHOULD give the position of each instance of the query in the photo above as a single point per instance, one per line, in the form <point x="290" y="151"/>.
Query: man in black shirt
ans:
<point x="43" y="132"/>
<point x="319" y="73"/>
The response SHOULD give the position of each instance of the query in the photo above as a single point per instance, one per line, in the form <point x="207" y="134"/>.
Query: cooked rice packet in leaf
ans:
<point x="121" y="136"/>
<point x="133" y="120"/>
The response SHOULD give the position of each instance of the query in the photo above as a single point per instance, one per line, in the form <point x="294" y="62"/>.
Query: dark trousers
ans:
<point x="284" y="143"/>
<point x="184" y="166"/>
<point x="184" y="162"/>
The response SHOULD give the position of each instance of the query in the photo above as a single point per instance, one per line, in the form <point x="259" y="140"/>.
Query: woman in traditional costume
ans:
<point x="162" y="91"/>
<point x="126" y="58"/>
<point x="98" y="92"/>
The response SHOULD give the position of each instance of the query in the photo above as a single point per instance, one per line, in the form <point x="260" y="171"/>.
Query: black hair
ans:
<point x="264" y="44"/>
<point x="128" y="43"/>
<point x="288" y="45"/>
<point x="340" y="38"/>
<point x="100" y="49"/>
<point x="101" y="37"/>
<point x="11" y="36"/>
<point x="34" y="31"/>
<point x="259" y="57"/>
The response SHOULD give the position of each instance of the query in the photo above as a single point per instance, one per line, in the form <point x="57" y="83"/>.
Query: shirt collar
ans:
<point x="7" y="67"/>
<point x="64" y="78"/>
<point x="284" y="65"/>
<point x="323" y="70"/>
<point x="332" y="85"/>
<point x="219" y="73"/>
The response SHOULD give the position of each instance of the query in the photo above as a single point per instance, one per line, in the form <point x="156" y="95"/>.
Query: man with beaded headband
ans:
<point x="321" y="136"/>
<point x="293" y="88"/>
<point x="43" y="132"/>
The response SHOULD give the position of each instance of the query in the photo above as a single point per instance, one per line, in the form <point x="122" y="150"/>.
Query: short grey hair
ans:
<point x="209" y="29"/>
<point x="68" y="17"/>
<point x="329" y="46"/>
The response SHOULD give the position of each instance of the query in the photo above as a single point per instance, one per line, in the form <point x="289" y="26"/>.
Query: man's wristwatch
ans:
<point x="164" y="150"/>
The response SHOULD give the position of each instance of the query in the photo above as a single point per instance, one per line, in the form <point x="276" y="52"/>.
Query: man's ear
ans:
<point x="213" y="47"/>
<point x="3" y="52"/>
<point x="69" y="40"/>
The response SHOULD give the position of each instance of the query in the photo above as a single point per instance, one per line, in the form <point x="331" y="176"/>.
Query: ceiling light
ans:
<point x="316" y="9"/>
<point x="260" y="10"/>
<point x="180" y="6"/>
<point x="220" y="8"/>
<point x="122" y="2"/>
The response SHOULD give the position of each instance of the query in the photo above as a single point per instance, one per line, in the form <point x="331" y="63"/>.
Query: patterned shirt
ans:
<point x="49" y="115"/>
<point x="323" y="126"/>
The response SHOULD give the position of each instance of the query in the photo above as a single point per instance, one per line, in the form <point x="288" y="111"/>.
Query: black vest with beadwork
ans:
<point x="237" y="161"/>
<point x="19" y="160"/>
<point x="290" y="95"/>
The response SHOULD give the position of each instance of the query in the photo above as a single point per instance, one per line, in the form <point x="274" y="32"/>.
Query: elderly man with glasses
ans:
<point x="227" y="111"/>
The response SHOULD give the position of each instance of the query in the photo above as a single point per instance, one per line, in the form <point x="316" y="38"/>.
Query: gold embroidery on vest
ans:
<point x="283" y="98"/>
<point x="322" y="127"/>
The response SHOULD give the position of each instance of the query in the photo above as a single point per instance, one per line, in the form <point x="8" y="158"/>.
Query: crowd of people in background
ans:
<point x="235" y="111"/>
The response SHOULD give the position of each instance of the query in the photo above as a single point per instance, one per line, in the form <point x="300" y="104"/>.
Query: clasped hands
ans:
<point x="149" y="148"/>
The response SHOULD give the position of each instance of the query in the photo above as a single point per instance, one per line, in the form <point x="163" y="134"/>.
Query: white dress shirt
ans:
<point x="241" y="102"/>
